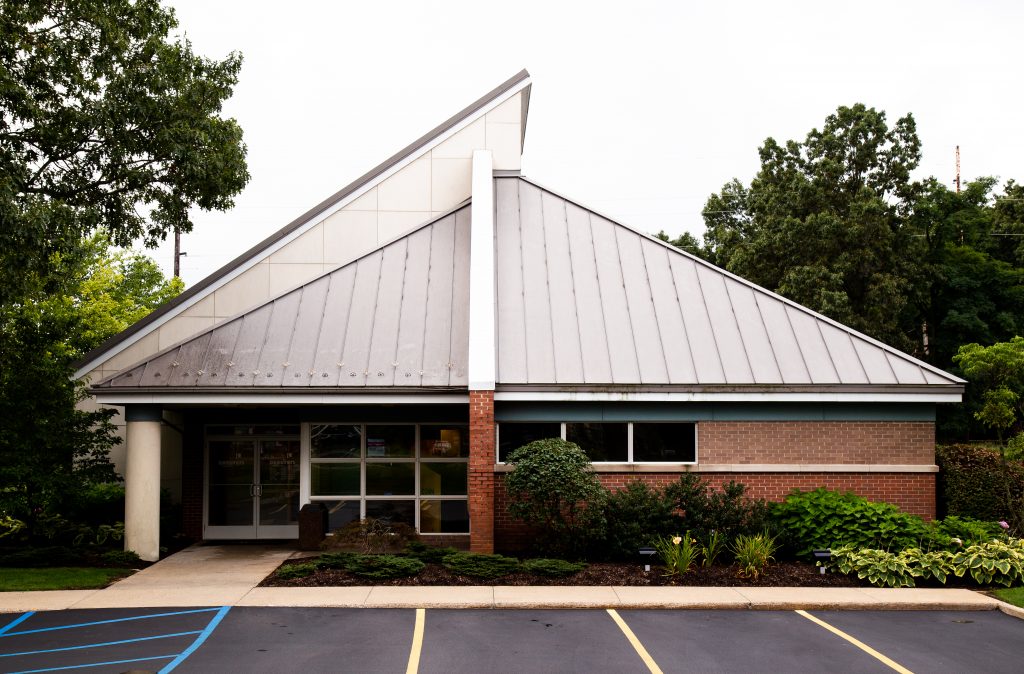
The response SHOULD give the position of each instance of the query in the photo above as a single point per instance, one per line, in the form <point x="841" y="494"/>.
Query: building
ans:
<point x="385" y="350"/>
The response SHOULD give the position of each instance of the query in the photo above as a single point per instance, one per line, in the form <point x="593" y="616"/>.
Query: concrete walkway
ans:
<point x="228" y="575"/>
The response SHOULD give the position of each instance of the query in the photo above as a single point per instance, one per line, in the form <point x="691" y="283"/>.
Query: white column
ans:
<point x="142" y="485"/>
<point x="480" y="368"/>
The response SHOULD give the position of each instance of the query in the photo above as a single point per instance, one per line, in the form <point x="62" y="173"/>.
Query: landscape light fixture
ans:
<point x="645" y="556"/>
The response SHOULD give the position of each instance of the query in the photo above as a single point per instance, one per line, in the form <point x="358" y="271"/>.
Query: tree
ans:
<point x="49" y="448"/>
<point x="684" y="241"/>
<point x="553" y="487"/>
<point x="105" y="121"/>
<point x="997" y="372"/>
<point x="821" y="223"/>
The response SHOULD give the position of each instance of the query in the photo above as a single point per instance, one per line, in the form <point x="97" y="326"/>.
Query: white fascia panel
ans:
<point x="480" y="367"/>
<point x="302" y="229"/>
<point x="697" y="397"/>
<point x="123" y="398"/>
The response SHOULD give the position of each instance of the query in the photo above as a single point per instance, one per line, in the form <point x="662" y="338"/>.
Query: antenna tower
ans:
<point x="958" y="169"/>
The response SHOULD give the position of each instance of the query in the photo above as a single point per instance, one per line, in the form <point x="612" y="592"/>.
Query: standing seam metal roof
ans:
<point x="396" y="317"/>
<point x="344" y="192"/>
<point x="585" y="301"/>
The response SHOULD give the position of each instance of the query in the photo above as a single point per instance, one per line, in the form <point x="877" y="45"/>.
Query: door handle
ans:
<point x="259" y="489"/>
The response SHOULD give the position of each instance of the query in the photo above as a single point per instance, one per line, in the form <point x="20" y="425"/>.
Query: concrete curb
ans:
<point x="1011" y="610"/>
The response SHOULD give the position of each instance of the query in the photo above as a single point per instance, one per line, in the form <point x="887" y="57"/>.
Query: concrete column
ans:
<point x="142" y="482"/>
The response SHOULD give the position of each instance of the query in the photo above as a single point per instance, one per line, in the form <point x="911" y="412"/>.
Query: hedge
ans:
<point x="972" y="482"/>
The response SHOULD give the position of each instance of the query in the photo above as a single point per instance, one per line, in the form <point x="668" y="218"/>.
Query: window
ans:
<point x="513" y="435"/>
<point x="416" y="474"/>
<point x="609" y="442"/>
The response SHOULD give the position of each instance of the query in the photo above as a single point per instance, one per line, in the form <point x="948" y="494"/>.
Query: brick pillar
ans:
<point x="481" y="471"/>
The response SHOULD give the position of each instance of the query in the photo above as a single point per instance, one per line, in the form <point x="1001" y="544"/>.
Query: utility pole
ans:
<point x="958" y="169"/>
<point x="177" y="252"/>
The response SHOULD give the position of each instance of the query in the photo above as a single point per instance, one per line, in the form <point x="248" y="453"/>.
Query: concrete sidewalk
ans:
<point x="228" y="575"/>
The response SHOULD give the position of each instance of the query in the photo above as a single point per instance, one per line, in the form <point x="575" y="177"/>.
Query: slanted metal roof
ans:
<point x="395" y="318"/>
<point x="583" y="300"/>
<point x="367" y="178"/>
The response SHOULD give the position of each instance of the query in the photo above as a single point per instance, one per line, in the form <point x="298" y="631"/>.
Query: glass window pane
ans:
<point x="675" y="442"/>
<point x="444" y="441"/>
<point x="385" y="479"/>
<point x="334" y="479"/>
<point x="279" y="505"/>
<point x="230" y="505"/>
<point x="334" y="441"/>
<point x="254" y="429"/>
<point x="601" y="442"/>
<point x="514" y="435"/>
<point x="232" y="462"/>
<point x="392" y="511"/>
<point x="446" y="479"/>
<point x="340" y="513"/>
<point x="444" y="517"/>
<point x="390" y="441"/>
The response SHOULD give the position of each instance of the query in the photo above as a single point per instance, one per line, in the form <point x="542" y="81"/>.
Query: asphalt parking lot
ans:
<point x="309" y="640"/>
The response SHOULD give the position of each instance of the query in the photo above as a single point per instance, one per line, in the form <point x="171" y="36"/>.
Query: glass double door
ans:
<point x="252" y="488"/>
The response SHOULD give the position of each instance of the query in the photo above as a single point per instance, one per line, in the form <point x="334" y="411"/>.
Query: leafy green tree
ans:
<point x="106" y="121"/>
<point x="821" y="222"/>
<point x="50" y="449"/>
<point x="684" y="241"/>
<point x="554" y="488"/>
<point x="997" y="372"/>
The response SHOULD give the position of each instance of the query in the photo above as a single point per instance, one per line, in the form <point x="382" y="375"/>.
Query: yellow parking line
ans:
<point x="417" y="642"/>
<point x="641" y="651"/>
<point x="859" y="644"/>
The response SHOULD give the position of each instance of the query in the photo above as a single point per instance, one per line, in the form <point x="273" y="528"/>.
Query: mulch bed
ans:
<point x="783" y="574"/>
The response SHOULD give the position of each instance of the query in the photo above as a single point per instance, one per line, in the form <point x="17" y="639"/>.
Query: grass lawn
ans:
<point x="58" y="578"/>
<point x="1011" y="595"/>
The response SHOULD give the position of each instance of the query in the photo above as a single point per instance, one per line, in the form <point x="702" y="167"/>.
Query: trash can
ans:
<point x="312" y="526"/>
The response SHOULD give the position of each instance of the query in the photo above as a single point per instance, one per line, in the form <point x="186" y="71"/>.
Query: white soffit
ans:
<point x="585" y="301"/>
<point x="522" y="82"/>
<point x="719" y="396"/>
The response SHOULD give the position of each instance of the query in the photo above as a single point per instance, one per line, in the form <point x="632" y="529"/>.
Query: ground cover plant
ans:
<point x="480" y="565"/>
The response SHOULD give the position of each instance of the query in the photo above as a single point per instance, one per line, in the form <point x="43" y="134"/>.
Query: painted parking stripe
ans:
<point x="91" y="664"/>
<point x="417" y="642"/>
<point x="98" y="622"/>
<point x="17" y="621"/>
<point x="639" y="647"/>
<point x="203" y="636"/>
<point x="892" y="664"/>
<point x="99" y="644"/>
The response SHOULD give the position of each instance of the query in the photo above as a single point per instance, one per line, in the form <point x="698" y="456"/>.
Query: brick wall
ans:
<point x="878" y="442"/>
<point x="481" y="471"/>
<point x="911" y="492"/>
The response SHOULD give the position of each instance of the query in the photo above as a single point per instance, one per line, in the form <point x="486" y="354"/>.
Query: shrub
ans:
<point x="480" y="566"/>
<point x="334" y="560"/>
<point x="702" y="509"/>
<point x="635" y="516"/>
<point x="383" y="566"/>
<point x="830" y="519"/>
<point x="973" y="482"/>
<point x="431" y="554"/>
<point x="371" y="536"/>
<point x="120" y="558"/>
<point x="679" y="553"/>
<point x="553" y="487"/>
<point x="987" y="563"/>
<point x="967" y="529"/>
<point x="552" y="567"/>
<point x="48" y="556"/>
<point x="753" y="553"/>
<point x="301" y="570"/>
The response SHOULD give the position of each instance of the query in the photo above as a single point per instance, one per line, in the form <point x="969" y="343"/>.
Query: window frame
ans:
<point x="417" y="459"/>
<point x="629" y="440"/>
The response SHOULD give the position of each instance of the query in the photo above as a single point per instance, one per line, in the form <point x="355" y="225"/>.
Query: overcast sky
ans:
<point x="639" y="110"/>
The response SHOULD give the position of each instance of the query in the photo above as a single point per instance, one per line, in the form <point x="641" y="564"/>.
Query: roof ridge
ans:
<point x="757" y="288"/>
<point x="209" y="280"/>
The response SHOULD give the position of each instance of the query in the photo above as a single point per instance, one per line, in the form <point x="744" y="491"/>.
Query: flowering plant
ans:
<point x="678" y="552"/>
